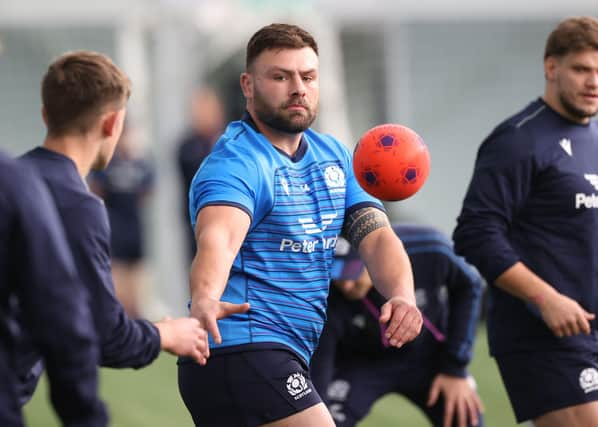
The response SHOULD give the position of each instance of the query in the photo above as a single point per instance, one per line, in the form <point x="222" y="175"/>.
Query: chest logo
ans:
<point x="335" y="177"/>
<point x="311" y="227"/>
<point x="285" y="185"/>
<point x="565" y="144"/>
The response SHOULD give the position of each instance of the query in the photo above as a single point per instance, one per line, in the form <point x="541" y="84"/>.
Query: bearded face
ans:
<point x="282" y="88"/>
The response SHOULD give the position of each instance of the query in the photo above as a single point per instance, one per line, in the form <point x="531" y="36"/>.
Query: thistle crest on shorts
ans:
<point x="588" y="380"/>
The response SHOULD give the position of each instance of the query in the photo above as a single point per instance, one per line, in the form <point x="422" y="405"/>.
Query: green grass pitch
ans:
<point x="149" y="398"/>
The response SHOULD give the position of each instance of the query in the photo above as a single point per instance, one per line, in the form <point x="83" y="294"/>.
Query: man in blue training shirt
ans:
<point x="41" y="296"/>
<point x="529" y="224"/>
<point x="354" y="366"/>
<point x="84" y="97"/>
<point x="267" y="206"/>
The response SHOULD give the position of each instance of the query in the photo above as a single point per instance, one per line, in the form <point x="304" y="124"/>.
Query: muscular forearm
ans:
<point x="369" y="231"/>
<point x="388" y="264"/>
<point x="209" y="270"/>
<point x="520" y="281"/>
<point x="219" y="233"/>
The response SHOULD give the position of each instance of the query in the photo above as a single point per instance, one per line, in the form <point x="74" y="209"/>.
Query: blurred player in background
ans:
<point x="125" y="186"/>
<point x="529" y="223"/>
<point x="41" y="296"/>
<point x="354" y="366"/>
<point x="207" y="116"/>
<point x="267" y="207"/>
<point x="84" y="99"/>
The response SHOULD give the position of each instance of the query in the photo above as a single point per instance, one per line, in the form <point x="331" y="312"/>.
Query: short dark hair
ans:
<point x="573" y="35"/>
<point x="78" y="87"/>
<point x="278" y="36"/>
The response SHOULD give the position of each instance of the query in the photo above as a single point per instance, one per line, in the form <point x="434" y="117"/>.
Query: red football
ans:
<point x="391" y="162"/>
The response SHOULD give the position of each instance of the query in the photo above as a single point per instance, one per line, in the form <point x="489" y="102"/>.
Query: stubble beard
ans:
<point x="574" y="111"/>
<point x="280" y="119"/>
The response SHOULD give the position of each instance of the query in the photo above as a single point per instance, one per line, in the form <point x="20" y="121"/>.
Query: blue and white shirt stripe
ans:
<point x="297" y="207"/>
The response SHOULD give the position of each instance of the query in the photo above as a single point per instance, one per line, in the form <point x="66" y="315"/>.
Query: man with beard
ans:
<point x="84" y="97"/>
<point x="529" y="224"/>
<point x="267" y="206"/>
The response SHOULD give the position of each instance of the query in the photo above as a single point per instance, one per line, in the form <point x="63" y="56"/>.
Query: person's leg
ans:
<point x="355" y="388"/>
<point x="316" y="415"/>
<point x="574" y="416"/>
<point x="128" y="279"/>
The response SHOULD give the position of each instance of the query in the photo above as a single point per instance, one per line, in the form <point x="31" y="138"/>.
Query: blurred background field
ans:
<point x="150" y="398"/>
<point x="449" y="70"/>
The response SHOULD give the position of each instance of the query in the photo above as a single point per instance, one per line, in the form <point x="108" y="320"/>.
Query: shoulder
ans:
<point x="326" y="140"/>
<point x="416" y="236"/>
<point x="84" y="213"/>
<point x="10" y="174"/>
<point x="16" y="176"/>
<point x="238" y="141"/>
<point x="515" y="138"/>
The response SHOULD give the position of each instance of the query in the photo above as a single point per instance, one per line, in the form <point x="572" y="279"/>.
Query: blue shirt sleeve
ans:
<point x="501" y="180"/>
<point x="356" y="196"/>
<point x="228" y="176"/>
<point x="125" y="343"/>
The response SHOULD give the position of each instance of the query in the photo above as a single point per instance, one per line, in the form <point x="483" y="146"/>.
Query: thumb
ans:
<point x="589" y="316"/>
<point x="227" y="308"/>
<point x="433" y="394"/>
<point x="385" y="313"/>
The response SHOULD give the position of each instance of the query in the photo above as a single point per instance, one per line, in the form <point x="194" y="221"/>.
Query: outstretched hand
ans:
<point x="208" y="311"/>
<point x="184" y="337"/>
<point x="403" y="319"/>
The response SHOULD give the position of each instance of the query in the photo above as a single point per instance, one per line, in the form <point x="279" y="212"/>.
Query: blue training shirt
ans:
<point x="297" y="207"/>
<point x="533" y="198"/>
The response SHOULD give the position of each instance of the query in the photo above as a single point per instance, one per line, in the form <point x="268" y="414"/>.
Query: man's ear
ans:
<point x="111" y="123"/>
<point x="247" y="85"/>
<point x="550" y="65"/>
<point x="45" y="115"/>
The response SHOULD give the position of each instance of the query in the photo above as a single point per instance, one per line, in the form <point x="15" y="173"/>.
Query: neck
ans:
<point x="81" y="150"/>
<point x="286" y="142"/>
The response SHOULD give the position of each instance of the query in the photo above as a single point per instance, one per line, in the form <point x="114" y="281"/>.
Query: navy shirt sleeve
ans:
<point x="323" y="361"/>
<point x="124" y="342"/>
<point x="501" y="181"/>
<point x="54" y="305"/>
<point x="464" y="286"/>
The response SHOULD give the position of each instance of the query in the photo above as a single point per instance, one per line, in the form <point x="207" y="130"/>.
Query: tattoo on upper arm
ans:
<point x="360" y="223"/>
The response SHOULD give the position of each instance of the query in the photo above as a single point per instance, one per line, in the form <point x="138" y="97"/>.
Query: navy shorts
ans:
<point x="544" y="381"/>
<point x="248" y="388"/>
<point x="357" y="386"/>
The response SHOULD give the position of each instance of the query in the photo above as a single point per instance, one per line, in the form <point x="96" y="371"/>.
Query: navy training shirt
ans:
<point x="37" y="273"/>
<point x="123" y="186"/>
<point x="533" y="198"/>
<point x="448" y="293"/>
<point x="124" y="342"/>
